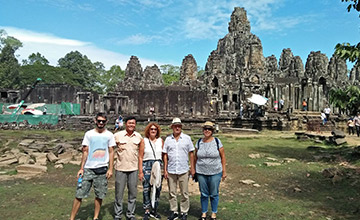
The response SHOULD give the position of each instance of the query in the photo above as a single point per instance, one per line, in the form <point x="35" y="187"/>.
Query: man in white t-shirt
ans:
<point x="327" y="111"/>
<point x="96" y="165"/>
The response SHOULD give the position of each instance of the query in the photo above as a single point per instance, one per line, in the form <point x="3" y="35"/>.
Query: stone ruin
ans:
<point x="236" y="69"/>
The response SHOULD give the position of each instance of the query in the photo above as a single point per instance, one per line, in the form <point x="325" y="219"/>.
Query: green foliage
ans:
<point x="9" y="68"/>
<point x="346" y="99"/>
<point x="111" y="78"/>
<point x="9" y="40"/>
<point x="354" y="4"/>
<point x="48" y="74"/>
<point x="170" y="73"/>
<point x="85" y="72"/>
<point x="347" y="51"/>
<point x="36" y="59"/>
<point x="200" y="71"/>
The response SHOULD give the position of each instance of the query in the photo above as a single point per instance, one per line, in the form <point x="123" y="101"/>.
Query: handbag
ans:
<point x="100" y="170"/>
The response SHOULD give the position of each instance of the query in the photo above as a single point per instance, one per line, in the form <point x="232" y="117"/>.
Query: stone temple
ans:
<point x="236" y="69"/>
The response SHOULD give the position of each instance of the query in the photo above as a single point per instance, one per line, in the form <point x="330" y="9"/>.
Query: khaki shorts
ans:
<point x="100" y="185"/>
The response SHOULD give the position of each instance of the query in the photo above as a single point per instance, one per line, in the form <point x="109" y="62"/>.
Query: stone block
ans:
<point x="24" y="159"/>
<point x="68" y="155"/>
<point x="29" y="168"/>
<point x="26" y="142"/>
<point x="254" y="156"/>
<point x="9" y="161"/>
<point x="51" y="157"/>
<point x="338" y="134"/>
<point x="75" y="162"/>
<point x="247" y="182"/>
<point x="272" y="164"/>
<point x="340" y="141"/>
<point x="59" y="166"/>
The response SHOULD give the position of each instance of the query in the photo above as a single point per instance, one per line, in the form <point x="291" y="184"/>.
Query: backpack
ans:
<point x="216" y="140"/>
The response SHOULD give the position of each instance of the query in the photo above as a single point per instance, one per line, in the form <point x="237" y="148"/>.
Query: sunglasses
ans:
<point x="101" y="121"/>
<point x="153" y="129"/>
<point x="207" y="129"/>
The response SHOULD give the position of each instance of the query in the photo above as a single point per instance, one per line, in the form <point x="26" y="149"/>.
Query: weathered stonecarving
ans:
<point x="236" y="69"/>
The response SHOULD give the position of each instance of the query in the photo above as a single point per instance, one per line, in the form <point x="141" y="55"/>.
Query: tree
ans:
<point x="170" y="73"/>
<point x="346" y="99"/>
<point x="9" y="68"/>
<point x="9" y="65"/>
<point x="9" y="40"/>
<point x="36" y="59"/>
<point x="112" y="77"/>
<point x="84" y="71"/>
<point x="48" y="74"/>
<point x="346" y="50"/>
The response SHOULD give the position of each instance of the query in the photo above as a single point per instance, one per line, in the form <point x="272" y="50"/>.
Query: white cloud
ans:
<point x="54" y="48"/>
<point x="207" y="19"/>
<point x="137" y="39"/>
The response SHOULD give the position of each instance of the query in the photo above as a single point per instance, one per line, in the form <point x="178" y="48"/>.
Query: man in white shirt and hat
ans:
<point x="178" y="148"/>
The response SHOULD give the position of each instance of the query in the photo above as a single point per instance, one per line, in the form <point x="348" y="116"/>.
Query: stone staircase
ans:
<point x="313" y="121"/>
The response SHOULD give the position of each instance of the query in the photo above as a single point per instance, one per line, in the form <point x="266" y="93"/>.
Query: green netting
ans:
<point x="70" y="108"/>
<point x="31" y="119"/>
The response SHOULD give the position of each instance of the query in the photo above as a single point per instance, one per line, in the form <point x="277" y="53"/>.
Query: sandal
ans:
<point x="202" y="218"/>
<point x="213" y="218"/>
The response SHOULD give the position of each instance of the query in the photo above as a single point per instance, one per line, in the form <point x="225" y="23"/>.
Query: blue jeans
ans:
<point x="147" y="165"/>
<point x="209" y="187"/>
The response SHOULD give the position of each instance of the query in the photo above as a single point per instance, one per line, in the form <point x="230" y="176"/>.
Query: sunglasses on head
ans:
<point x="101" y="121"/>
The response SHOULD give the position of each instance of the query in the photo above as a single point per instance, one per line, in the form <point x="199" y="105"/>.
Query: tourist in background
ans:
<point x="119" y="123"/>
<point x="327" y="111"/>
<point x="210" y="169"/>
<point x="126" y="168"/>
<point x="323" y="117"/>
<point x="150" y="161"/>
<point x="351" y="126"/>
<point x="304" y="105"/>
<point x="96" y="165"/>
<point x="281" y="104"/>
<point x="178" y="147"/>
<point x="357" y="124"/>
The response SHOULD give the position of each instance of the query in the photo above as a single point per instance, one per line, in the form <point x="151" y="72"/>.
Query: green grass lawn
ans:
<point x="50" y="196"/>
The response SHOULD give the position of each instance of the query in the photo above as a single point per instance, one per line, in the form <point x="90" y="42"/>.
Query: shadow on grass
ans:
<point x="87" y="211"/>
<point x="340" y="199"/>
<point x="339" y="196"/>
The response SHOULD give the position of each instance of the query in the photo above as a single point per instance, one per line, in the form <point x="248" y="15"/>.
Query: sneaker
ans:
<point x="146" y="216"/>
<point x="183" y="216"/>
<point x="173" y="216"/>
<point x="155" y="215"/>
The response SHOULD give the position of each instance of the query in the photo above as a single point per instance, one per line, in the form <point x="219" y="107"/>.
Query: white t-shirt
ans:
<point x="327" y="110"/>
<point x="148" y="152"/>
<point x="98" y="144"/>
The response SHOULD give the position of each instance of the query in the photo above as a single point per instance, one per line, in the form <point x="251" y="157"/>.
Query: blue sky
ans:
<point x="165" y="31"/>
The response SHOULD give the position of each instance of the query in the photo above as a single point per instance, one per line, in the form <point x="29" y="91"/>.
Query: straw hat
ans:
<point x="176" y="121"/>
<point x="208" y="124"/>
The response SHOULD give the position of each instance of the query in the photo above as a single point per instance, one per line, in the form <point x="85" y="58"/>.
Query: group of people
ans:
<point x="354" y="124"/>
<point x="149" y="160"/>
